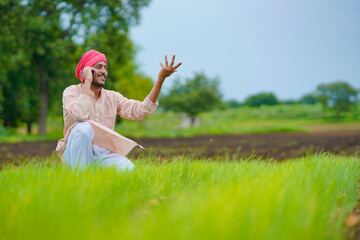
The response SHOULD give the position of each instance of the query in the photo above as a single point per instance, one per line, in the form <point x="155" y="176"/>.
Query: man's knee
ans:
<point x="83" y="129"/>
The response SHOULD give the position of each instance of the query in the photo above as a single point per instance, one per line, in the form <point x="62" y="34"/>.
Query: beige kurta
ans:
<point x="101" y="114"/>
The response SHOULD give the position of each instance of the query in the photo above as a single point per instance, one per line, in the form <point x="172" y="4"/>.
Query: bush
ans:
<point x="4" y="132"/>
<point x="261" y="99"/>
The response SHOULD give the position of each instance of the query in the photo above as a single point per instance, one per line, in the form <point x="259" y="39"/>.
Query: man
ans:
<point x="90" y="112"/>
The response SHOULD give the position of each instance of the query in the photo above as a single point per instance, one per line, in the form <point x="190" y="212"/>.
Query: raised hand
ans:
<point x="167" y="70"/>
<point x="87" y="74"/>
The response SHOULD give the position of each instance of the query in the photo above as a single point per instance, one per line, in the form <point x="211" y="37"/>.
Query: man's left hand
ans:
<point x="167" y="70"/>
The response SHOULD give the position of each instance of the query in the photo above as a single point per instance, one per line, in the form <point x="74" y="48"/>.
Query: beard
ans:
<point x="98" y="83"/>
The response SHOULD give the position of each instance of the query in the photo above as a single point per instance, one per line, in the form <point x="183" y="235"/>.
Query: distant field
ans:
<point x="244" y="120"/>
<point x="307" y="198"/>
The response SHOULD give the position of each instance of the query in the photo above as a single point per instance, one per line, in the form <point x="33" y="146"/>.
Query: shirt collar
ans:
<point x="92" y="94"/>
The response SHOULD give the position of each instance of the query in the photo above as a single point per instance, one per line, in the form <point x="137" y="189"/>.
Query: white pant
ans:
<point x="79" y="151"/>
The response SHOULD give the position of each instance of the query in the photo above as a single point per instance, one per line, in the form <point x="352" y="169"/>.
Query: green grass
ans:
<point x="306" y="198"/>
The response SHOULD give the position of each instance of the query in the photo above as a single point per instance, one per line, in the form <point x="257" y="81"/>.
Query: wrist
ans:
<point x="161" y="78"/>
<point x="87" y="81"/>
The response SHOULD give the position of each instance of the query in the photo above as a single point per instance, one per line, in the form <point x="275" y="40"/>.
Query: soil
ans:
<point x="278" y="146"/>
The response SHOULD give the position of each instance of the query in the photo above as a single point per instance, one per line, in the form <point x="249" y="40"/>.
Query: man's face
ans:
<point x="100" y="74"/>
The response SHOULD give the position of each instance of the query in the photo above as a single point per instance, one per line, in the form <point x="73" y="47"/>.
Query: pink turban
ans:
<point x="89" y="59"/>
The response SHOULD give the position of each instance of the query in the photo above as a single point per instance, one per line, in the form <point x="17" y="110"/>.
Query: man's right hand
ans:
<point x="87" y="74"/>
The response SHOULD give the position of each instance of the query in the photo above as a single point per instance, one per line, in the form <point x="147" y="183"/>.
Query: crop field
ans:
<point x="275" y="172"/>
<point x="181" y="198"/>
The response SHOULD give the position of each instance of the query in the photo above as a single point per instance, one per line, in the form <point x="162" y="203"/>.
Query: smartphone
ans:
<point x="92" y="71"/>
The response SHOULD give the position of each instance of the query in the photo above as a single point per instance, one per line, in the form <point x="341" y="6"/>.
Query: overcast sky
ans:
<point x="286" y="47"/>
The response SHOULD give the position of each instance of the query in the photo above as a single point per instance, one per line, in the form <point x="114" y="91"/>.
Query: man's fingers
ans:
<point x="169" y="69"/>
<point x="172" y="61"/>
<point x="177" y="65"/>
<point x="87" y="70"/>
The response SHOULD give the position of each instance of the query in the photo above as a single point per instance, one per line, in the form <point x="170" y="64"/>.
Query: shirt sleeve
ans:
<point x="76" y="105"/>
<point x="133" y="109"/>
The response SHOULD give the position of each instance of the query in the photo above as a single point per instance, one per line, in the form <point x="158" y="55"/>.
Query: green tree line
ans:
<point x="201" y="93"/>
<point x="338" y="96"/>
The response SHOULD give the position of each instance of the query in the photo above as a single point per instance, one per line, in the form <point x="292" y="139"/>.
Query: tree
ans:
<point x="309" y="99"/>
<point x="21" y="104"/>
<point x="261" y="99"/>
<point x="339" y="96"/>
<point x="195" y="95"/>
<point x="46" y="34"/>
<point x="232" y="103"/>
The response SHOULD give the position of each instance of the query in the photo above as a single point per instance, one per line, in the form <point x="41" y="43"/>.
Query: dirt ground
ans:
<point x="275" y="145"/>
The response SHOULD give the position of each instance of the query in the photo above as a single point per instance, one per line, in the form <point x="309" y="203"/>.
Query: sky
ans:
<point x="286" y="47"/>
